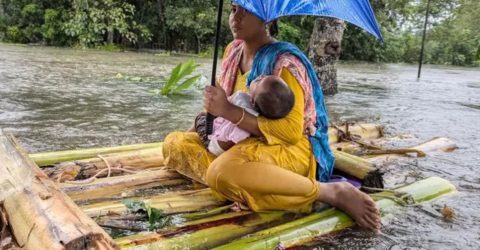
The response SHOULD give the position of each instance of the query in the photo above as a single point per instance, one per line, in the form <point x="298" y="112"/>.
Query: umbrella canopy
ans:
<point x="357" y="12"/>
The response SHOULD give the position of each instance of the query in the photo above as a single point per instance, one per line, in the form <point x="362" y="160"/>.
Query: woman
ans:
<point x="277" y="168"/>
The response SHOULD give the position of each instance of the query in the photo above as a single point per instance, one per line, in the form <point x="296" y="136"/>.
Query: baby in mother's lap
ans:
<point x="269" y="96"/>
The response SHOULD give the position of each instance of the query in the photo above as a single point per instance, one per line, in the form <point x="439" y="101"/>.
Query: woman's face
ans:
<point x="244" y="25"/>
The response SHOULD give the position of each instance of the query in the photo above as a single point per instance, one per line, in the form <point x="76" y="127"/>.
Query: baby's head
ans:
<point x="272" y="97"/>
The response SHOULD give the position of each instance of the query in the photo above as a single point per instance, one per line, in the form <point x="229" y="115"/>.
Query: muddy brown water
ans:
<point x="54" y="99"/>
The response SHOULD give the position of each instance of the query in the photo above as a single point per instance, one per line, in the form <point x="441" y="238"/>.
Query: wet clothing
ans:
<point x="273" y="172"/>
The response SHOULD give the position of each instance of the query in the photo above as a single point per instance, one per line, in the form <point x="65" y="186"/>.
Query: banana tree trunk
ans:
<point x="105" y="187"/>
<point x="306" y="229"/>
<point x="41" y="216"/>
<point x="49" y="158"/>
<point x="359" y="168"/>
<point x="324" y="51"/>
<point x="119" y="163"/>
<point x="169" y="203"/>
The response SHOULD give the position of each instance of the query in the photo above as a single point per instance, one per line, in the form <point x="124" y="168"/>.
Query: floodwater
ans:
<point x="54" y="99"/>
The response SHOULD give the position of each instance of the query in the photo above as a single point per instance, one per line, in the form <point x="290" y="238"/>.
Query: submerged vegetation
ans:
<point x="156" y="218"/>
<point x="176" y="84"/>
<point x="188" y="26"/>
<point x="180" y="79"/>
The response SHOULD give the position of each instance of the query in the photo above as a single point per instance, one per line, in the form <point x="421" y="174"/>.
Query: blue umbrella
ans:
<point x="357" y="12"/>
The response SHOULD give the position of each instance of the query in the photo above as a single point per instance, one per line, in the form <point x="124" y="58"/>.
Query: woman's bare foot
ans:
<point x="352" y="201"/>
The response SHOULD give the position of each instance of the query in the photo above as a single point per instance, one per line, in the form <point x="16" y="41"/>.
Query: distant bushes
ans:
<point x="188" y="26"/>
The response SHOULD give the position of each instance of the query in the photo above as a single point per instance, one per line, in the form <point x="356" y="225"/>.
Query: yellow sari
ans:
<point x="274" y="172"/>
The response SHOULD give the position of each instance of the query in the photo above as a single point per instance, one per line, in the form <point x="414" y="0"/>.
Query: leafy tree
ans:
<point x="189" y="26"/>
<point x="193" y="23"/>
<point x="296" y="30"/>
<point x="401" y="23"/>
<point x="94" y="22"/>
<point x="457" y="40"/>
<point x="51" y="29"/>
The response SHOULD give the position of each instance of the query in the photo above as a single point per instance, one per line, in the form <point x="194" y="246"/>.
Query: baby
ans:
<point x="270" y="97"/>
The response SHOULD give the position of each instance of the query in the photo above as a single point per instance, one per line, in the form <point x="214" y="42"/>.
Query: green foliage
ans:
<point x="453" y="34"/>
<point x="207" y="53"/>
<point x="135" y="206"/>
<point x="189" y="26"/>
<point x="110" y="47"/>
<point x="13" y="34"/>
<point x="33" y="15"/>
<point x="31" y="11"/>
<point x="52" y="27"/>
<point x="289" y="32"/>
<point x="192" y="24"/>
<point x="181" y="78"/>
<point x="156" y="218"/>
<point x="296" y="30"/>
<point x="93" y="21"/>
<point x="176" y="83"/>
<point x="143" y="33"/>
<point x="2" y="29"/>
<point x="460" y="48"/>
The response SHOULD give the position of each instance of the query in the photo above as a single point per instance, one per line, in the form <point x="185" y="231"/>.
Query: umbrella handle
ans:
<point x="210" y="117"/>
<point x="209" y="124"/>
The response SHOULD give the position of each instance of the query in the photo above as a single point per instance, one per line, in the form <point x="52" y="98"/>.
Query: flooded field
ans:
<point x="54" y="99"/>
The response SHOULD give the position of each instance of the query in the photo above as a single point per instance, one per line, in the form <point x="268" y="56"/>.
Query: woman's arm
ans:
<point x="249" y="122"/>
<point x="216" y="103"/>
<point x="287" y="130"/>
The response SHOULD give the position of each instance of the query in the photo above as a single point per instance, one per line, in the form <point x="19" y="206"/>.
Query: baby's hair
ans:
<point x="276" y="101"/>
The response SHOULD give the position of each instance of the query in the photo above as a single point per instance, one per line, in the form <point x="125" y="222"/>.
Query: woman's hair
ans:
<point x="275" y="101"/>
<point x="273" y="28"/>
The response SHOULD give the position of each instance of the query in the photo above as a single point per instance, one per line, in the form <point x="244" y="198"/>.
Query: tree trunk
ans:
<point x="324" y="51"/>
<point x="162" y="33"/>
<point x="110" y="36"/>
<point x="1" y="9"/>
<point x="198" y="45"/>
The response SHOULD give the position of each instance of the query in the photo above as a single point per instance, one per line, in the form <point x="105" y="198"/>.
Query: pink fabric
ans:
<point x="230" y="66"/>
<point x="224" y="130"/>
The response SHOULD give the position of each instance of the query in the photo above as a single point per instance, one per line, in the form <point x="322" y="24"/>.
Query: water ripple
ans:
<point x="55" y="99"/>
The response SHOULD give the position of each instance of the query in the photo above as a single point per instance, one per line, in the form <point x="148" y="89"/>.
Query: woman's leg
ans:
<point x="260" y="185"/>
<point x="185" y="152"/>
<point x="265" y="186"/>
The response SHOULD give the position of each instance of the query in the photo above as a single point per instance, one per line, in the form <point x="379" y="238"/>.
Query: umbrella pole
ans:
<point x="209" y="125"/>
<point x="423" y="40"/>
